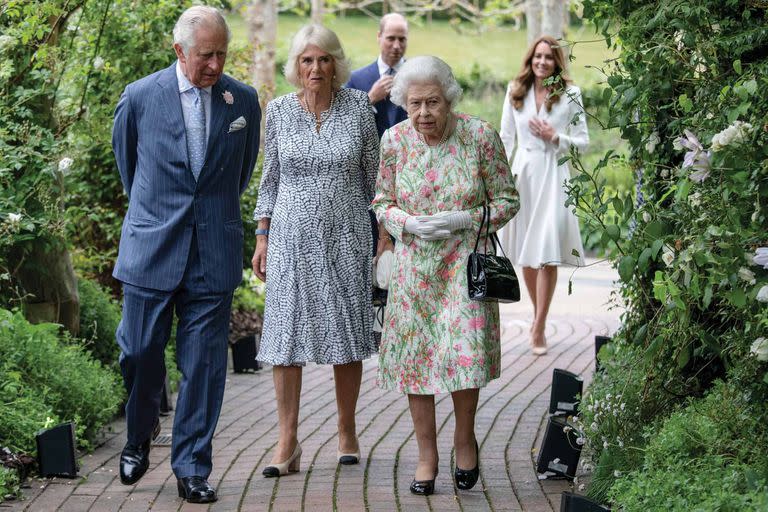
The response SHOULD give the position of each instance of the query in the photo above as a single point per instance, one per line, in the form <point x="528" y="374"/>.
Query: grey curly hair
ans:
<point x="425" y="69"/>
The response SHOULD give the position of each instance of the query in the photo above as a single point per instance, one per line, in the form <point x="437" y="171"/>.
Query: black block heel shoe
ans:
<point x="467" y="478"/>
<point x="424" y="487"/>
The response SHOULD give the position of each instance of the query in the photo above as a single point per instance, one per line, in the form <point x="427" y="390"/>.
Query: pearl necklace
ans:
<point x="446" y="131"/>
<point x="318" y="116"/>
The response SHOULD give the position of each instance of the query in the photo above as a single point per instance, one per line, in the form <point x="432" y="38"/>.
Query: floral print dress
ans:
<point x="435" y="339"/>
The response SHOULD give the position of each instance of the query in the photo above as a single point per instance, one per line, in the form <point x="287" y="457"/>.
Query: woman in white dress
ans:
<point x="543" y="117"/>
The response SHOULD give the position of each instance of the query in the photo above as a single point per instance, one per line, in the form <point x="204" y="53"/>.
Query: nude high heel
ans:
<point x="291" y="465"/>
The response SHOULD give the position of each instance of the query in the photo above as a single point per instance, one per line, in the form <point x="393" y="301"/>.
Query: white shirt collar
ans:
<point x="184" y="83"/>
<point x="384" y="67"/>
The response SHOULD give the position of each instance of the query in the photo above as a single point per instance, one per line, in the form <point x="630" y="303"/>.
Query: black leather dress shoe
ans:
<point x="467" y="478"/>
<point x="134" y="460"/>
<point x="196" y="489"/>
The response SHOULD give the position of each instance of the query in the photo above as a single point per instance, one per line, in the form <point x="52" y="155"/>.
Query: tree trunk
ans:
<point x="261" y="20"/>
<point x="552" y="17"/>
<point x="317" y="11"/>
<point x="533" y="19"/>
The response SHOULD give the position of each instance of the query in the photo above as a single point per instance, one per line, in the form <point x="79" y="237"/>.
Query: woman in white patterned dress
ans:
<point x="539" y="124"/>
<point x="313" y="245"/>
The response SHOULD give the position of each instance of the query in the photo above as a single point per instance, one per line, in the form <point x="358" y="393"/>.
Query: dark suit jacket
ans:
<point x="387" y="113"/>
<point x="165" y="203"/>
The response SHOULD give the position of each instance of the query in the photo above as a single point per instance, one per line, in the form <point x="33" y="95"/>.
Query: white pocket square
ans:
<point x="237" y="124"/>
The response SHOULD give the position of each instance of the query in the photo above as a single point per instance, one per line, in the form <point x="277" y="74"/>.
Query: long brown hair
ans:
<point x="525" y="78"/>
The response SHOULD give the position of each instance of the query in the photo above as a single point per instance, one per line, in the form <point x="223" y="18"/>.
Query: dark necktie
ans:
<point x="391" y="71"/>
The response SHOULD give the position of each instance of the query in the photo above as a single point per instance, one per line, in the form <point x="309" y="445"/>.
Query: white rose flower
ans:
<point x="14" y="218"/>
<point x="652" y="142"/>
<point x="762" y="294"/>
<point x="759" y="349"/>
<point x="98" y="63"/>
<point x="668" y="255"/>
<point x="736" y="133"/>
<point x="747" y="275"/>
<point x="761" y="257"/>
<point x="65" y="164"/>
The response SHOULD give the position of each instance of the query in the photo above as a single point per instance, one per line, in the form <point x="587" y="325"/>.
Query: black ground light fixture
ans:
<point x="56" y="451"/>
<point x="244" y="354"/>
<point x="571" y="502"/>
<point x="599" y="342"/>
<point x="559" y="452"/>
<point x="566" y="388"/>
<point x="165" y="398"/>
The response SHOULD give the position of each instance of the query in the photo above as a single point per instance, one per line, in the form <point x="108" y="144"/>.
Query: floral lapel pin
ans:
<point x="228" y="98"/>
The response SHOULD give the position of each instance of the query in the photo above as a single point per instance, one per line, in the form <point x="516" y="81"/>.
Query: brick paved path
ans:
<point x="510" y="420"/>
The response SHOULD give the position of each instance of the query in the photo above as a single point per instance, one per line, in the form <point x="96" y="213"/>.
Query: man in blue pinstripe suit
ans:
<point x="185" y="140"/>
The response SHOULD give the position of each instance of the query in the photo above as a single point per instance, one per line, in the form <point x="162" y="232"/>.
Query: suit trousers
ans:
<point x="201" y="355"/>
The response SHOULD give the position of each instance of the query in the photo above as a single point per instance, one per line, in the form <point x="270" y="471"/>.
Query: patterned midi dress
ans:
<point x="317" y="188"/>
<point x="435" y="339"/>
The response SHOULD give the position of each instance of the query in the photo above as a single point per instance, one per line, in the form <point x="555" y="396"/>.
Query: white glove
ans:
<point x="427" y="227"/>
<point x="457" y="220"/>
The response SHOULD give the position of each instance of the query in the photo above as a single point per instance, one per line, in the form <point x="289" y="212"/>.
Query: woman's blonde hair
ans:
<point x="326" y="40"/>
<point x="524" y="80"/>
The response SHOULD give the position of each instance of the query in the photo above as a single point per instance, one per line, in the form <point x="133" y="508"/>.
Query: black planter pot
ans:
<point x="244" y="354"/>
<point x="56" y="451"/>
<point x="559" y="452"/>
<point x="566" y="390"/>
<point x="571" y="502"/>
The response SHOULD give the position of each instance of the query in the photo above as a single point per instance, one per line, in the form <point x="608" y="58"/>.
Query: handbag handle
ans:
<point x="495" y="243"/>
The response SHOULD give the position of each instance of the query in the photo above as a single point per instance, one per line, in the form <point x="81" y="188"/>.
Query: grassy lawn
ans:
<point x="497" y="53"/>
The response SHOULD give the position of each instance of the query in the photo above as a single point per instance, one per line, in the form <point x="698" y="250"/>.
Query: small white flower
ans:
<point x="762" y="294"/>
<point x="668" y="256"/>
<point x="228" y="98"/>
<point x="14" y="218"/>
<point x="65" y="164"/>
<point x="98" y="62"/>
<point x="593" y="426"/>
<point x="580" y="441"/>
<point x="665" y="173"/>
<point x="616" y="473"/>
<point x="605" y="444"/>
<point x="620" y="443"/>
<point x="6" y="42"/>
<point x="761" y="257"/>
<point x="694" y="199"/>
<point x="759" y="349"/>
<point x="567" y="429"/>
<point x="581" y="487"/>
<point x="652" y="142"/>
<point x="623" y="405"/>
<point x="747" y="275"/>
<point x="646" y="217"/>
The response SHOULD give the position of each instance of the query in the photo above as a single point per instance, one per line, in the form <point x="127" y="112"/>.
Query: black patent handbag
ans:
<point x="491" y="277"/>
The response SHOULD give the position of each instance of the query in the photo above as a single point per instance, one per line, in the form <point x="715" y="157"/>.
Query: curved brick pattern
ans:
<point x="510" y="422"/>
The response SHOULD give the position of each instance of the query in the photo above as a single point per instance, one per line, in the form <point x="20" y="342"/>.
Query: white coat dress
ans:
<point x="544" y="231"/>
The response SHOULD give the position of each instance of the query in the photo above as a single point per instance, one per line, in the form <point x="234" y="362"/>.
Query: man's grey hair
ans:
<point x="425" y="69"/>
<point x="325" y="39"/>
<point x="193" y="18"/>
<point x="391" y="16"/>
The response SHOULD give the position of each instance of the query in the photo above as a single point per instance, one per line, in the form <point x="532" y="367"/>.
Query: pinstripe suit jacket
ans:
<point x="165" y="203"/>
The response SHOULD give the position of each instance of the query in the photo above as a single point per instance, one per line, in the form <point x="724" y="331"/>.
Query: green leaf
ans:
<point x="738" y="298"/>
<point x="626" y="268"/>
<point x="685" y="103"/>
<point x="639" y="336"/>
<point x="707" y="300"/>
<point x="643" y="262"/>
<point x="765" y="378"/>
<point x="618" y="205"/>
<point x="655" y="229"/>
<point x="613" y="231"/>
<point x="656" y="247"/>
<point x="653" y="348"/>
<point x="684" y="356"/>
<point x="574" y="252"/>
<point x="737" y="66"/>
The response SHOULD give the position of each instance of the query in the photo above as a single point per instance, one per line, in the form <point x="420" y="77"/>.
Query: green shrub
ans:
<point x="99" y="317"/>
<point x="704" y="457"/>
<point x="22" y="413"/>
<point x="249" y="296"/>
<point x="9" y="484"/>
<point x="64" y="376"/>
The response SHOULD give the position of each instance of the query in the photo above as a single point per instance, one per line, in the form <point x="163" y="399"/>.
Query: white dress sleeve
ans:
<point x="508" y="126"/>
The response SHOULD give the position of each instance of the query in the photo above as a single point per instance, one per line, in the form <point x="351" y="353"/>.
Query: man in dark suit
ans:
<point x="185" y="140"/>
<point x="376" y="78"/>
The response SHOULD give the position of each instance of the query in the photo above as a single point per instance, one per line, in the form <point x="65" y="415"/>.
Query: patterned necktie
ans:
<point x="196" y="133"/>
<point x="391" y="71"/>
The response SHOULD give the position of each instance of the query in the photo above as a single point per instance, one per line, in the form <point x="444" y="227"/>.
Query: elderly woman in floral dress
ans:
<point x="436" y="171"/>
